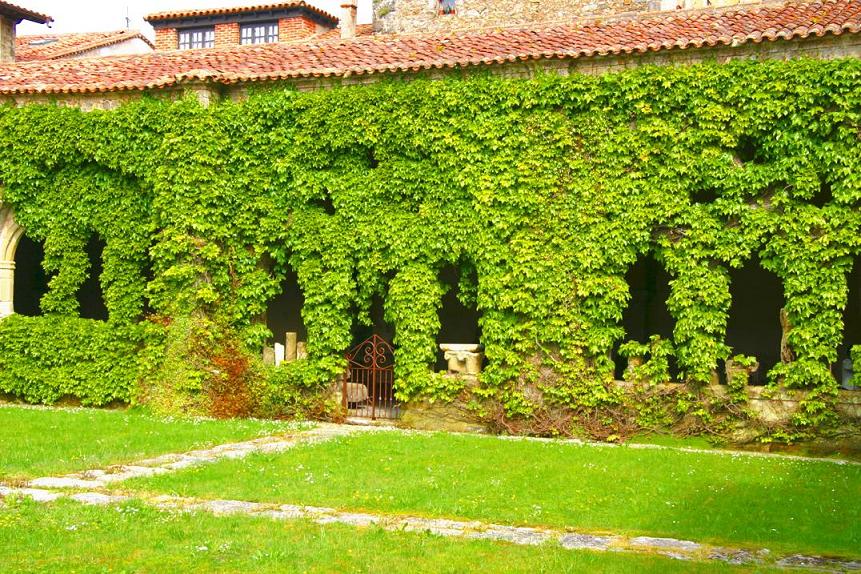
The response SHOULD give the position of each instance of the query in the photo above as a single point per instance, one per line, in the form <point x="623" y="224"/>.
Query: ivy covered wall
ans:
<point x="545" y="190"/>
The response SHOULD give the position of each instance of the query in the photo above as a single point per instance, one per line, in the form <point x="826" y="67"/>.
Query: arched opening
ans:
<point x="91" y="298"/>
<point x="647" y="313"/>
<point x="851" y="326"/>
<point x="753" y="327"/>
<point x="31" y="281"/>
<point x="284" y="312"/>
<point x="459" y="321"/>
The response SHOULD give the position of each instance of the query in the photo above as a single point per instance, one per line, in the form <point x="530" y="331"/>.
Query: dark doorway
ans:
<point x="378" y="325"/>
<point x="284" y="313"/>
<point x="754" y="317"/>
<point x="647" y="313"/>
<point x="851" y="321"/>
<point x="31" y="281"/>
<point x="459" y="322"/>
<point x="91" y="298"/>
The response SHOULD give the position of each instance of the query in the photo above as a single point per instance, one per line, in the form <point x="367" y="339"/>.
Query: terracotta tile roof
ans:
<point x="23" y="13"/>
<point x="56" y="46"/>
<point x="387" y="54"/>
<point x="179" y="14"/>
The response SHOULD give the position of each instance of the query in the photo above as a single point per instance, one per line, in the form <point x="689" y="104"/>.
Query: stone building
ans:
<point x="220" y="53"/>
<point x="421" y="16"/>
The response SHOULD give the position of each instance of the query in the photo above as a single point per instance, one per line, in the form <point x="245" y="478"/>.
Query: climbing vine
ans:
<point x="547" y="189"/>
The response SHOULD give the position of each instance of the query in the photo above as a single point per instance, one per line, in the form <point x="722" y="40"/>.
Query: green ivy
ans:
<point x="547" y="190"/>
<point x="46" y="359"/>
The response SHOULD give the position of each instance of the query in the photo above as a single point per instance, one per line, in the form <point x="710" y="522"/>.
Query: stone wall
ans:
<point x="413" y="16"/>
<point x="7" y="39"/>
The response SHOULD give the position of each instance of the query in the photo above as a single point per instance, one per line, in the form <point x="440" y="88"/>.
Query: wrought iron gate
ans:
<point x="369" y="382"/>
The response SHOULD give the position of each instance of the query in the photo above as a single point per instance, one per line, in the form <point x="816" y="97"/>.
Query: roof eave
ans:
<point x="18" y="14"/>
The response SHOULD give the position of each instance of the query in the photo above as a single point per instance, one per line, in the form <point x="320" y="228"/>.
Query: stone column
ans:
<point x="7" y="288"/>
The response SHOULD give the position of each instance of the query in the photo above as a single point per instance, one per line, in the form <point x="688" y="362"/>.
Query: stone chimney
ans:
<point x="349" y="16"/>
<point x="10" y="17"/>
<point x="7" y="39"/>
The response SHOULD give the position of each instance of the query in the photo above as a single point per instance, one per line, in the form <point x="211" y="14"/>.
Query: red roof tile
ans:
<point x="386" y="54"/>
<point x="178" y="14"/>
<point x="23" y="13"/>
<point x="56" y="46"/>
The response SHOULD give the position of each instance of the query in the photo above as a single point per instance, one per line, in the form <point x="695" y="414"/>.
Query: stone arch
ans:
<point x="10" y="236"/>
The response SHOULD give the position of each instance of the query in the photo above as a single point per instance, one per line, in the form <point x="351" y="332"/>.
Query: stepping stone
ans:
<point x="97" y="498"/>
<point x="585" y="542"/>
<point x="65" y="482"/>
<point x="231" y="507"/>
<point x="665" y="543"/>
<point x="521" y="536"/>
<point x="33" y="493"/>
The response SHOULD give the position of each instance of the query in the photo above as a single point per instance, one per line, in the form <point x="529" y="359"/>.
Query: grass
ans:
<point x="38" y="442"/>
<point x="68" y="537"/>
<point x="780" y="503"/>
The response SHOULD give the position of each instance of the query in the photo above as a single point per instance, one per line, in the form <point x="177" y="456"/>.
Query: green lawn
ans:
<point x="37" y="442"/>
<point x="784" y="504"/>
<point x="67" y="537"/>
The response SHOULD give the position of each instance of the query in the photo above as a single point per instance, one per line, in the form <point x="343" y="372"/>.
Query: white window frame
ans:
<point x="258" y="33"/>
<point x="196" y="38"/>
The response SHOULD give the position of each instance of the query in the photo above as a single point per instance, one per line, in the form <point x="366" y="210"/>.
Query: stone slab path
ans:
<point x="87" y="487"/>
<point x="520" y="535"/>
<point x="100" y="478"/>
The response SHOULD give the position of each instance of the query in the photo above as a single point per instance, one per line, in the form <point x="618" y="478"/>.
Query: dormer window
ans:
<point x="447" y="6"/>
<point x="194" y="38"/>
<point x="259" y="33"/>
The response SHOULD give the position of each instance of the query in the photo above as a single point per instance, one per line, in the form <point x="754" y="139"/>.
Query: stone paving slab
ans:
<point x="519" y="535"/>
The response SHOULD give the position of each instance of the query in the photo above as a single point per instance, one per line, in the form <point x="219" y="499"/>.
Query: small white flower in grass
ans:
<point x="202" y="548"/>
<point x="72" y="527"/>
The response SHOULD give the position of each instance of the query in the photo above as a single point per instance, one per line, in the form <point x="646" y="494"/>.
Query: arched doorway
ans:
<point x="31" y="281"/>
<point x="647" y="313"/>
<point x="284" y="312"/>
<point x="754" y="327"/>
<point x="91" y="297"/>
<point x="459" y="322"/>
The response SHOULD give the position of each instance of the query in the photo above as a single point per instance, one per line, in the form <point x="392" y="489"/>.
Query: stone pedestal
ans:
<point x="463" y="359"/>
<point x="269" y="356"/>
<point x="301" y="350"/>
<point x="291" y="341"/>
